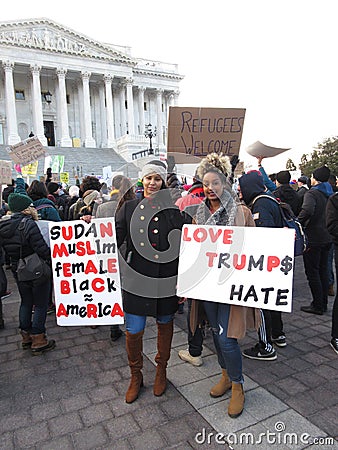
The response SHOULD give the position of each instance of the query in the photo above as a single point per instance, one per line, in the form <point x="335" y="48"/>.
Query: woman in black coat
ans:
<point x="332" y="226"/>
<point x="20" y="236"/>
<point x="150" y="226"/>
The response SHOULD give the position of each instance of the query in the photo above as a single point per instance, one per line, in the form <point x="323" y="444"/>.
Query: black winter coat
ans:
<point x="30" y="239"/>
<point x="286" y="194"/>
<point x="332" y="217"/>
<point x="149" y="274"/>
<point x="313" y="216"/>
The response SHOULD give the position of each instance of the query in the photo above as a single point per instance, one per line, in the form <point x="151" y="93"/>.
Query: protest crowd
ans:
<point x="149" y="216"/>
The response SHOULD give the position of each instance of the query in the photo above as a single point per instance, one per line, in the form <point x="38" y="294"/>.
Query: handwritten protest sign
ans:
<point x="245" y="266"/>
<point x="27" y="151"/>
<point x="64" y="177"/>
<point x="86" y="273"/>
<point x="193" y="133"/>
<point x="55" y="162"/>
<point x="30" y="169"/>
<point x="5" y="172"/>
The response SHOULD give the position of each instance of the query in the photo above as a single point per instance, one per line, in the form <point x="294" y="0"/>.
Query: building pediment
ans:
<point x="45" y="34"/>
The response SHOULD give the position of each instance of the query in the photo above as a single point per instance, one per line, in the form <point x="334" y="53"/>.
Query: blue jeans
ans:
<point x="39" y="297"/>
<point x="228" y="350"/>
<point x="135" y="324"/>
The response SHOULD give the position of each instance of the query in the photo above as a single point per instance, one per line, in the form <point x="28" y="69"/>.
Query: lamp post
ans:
<point x="149" y="133"/>
<point x="48" y="97"/>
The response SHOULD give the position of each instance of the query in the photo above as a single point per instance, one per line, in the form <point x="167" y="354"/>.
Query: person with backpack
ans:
<point x="285" y="193"/>
<point x="37" y="191"/>
<point x="60" y="198"/>
<point x="46" y="211"/>
<point x="266" y="213"/>
<point x="312" y="217"/>
<point x="20" y="237"/>
<point x="89" y="183"/>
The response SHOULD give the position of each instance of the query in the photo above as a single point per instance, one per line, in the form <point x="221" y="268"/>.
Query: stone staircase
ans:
<point x="85" y="161"/>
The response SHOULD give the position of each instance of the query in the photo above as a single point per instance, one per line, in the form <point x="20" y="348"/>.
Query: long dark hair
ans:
<point x="126" y="192"/>
<point x="37" y="190"/>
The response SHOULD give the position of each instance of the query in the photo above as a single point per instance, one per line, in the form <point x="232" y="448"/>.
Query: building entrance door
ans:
<point x="48" y="126"/>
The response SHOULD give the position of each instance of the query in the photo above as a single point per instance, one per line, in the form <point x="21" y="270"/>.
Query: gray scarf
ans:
<point x="225" y="215"/>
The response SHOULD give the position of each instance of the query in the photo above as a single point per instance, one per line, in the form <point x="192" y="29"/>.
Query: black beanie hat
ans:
<point x="283" y="177"/>
<point x="322" y="174"/>
<point x="52" y="187"/>
<point x="18" y="202"/>
<point x="303" y="179"/>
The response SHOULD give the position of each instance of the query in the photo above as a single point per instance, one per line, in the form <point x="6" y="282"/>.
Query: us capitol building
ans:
<point x="72" y="91"/>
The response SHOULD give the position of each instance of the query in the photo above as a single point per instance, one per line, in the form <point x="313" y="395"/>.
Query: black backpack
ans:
<point x="290" y="221"/>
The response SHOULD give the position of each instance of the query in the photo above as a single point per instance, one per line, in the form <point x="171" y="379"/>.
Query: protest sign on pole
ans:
<point x="27" y="151"/>
<point x="107" y="173"/>
<point x="193" y="133"/>
<point x="86" y="273"/>
<point x="30" y="169"/>
<point x="244" y="266"/>
<point x="64" y="177"/>
<point x="5" y="172"/>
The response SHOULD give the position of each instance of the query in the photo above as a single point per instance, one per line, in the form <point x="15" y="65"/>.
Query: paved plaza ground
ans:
<point x="73" y="397"/>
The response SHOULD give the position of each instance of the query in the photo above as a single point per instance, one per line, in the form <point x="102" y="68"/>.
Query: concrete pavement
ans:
<point x="73" y="396"/>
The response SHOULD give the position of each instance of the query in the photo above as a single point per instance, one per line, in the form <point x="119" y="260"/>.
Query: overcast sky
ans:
<point x="277" y="59"/>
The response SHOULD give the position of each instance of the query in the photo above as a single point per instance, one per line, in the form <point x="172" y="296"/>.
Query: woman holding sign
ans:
<point x="228" y="322"/>
<point x="150" y="226"/>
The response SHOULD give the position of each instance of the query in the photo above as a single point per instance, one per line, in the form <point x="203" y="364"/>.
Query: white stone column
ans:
<point x="65" y="139"/>
<point x="171" y="99"/>
<point x="122" y="96"/>
<point x="38" y="129"/>
<point x="159" y="117"/>
<point x="170" y="102"/>
<point x="82" y="135"/>
<point x="89" y="140"/>
<point x="116" y="108"/>
<point x="141" y="90"/>
<point x="130" y="104"/>
<point x="103" y="115"/>
<point x="176" y="95"/>
<point x="108" y="79"/>
<point x="11" y="120"/>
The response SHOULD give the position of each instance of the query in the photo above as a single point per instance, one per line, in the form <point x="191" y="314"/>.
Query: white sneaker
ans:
<point x="194" y="360"/>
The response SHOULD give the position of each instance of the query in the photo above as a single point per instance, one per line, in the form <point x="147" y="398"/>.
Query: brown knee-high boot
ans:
<point x="134" y="344"/>
<point x="164" y="338"/>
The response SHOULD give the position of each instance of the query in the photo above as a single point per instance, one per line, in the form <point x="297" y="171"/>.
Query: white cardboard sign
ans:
<point x="27" y="151"/>
<point x="86" y="272"/>
<point x="258" y="149"/>
<point x="244" y="266"/>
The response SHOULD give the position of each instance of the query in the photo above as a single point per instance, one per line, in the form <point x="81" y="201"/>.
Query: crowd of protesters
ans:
<point x="212" y="198"/>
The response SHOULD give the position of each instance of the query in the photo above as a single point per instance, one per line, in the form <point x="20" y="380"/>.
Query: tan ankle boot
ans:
<point x="134" y="344"/>
<point x="222" y="386"/>
<point x="236" y="404"/>
<point x="164" y="338"/>
<point x="26" y="339"/>
<point x="40" y="344"/>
